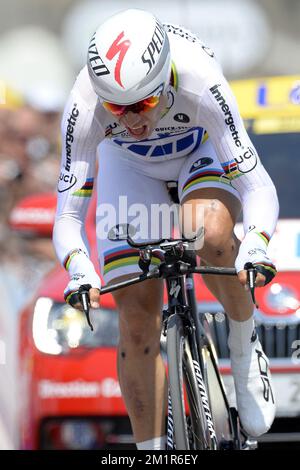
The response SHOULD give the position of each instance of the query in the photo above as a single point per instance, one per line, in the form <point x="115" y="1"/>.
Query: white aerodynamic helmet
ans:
<point x="129" y="58"/>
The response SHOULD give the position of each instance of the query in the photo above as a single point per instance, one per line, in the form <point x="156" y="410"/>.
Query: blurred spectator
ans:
<point x="29" y="164"/>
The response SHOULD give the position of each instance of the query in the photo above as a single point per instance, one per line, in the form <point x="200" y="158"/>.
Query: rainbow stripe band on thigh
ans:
<point x="124" y="256"/>
<point x="204" y="176"/>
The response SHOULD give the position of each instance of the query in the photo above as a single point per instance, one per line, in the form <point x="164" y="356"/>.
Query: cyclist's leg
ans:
<point x="221" y="208"/>
<point x="140" y="366"/>
<point x="202" y="184"/>
<point x="220" y="247"/>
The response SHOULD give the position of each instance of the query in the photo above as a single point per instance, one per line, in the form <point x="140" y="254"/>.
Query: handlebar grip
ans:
<point x="251" y="276"/>
<point x="83" y="294"/>
<point x="85" y="300"/>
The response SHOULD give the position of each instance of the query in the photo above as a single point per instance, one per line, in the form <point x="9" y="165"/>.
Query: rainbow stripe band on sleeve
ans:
<point x="231" y="169"/>
<point x="264" y="236"/>
<point x="86" y="190"/>
<point x="70" y="256"/>
<point x="68" y="295"/>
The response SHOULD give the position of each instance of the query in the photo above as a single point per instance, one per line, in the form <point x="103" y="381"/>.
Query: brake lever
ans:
<point x="83" y="293"/>
<point x="251" y="276"/>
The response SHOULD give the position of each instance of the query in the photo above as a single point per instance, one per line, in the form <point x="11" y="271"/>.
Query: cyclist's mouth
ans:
<point x="137" y="132"/>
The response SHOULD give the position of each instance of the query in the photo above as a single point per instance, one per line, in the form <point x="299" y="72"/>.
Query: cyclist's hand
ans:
<point x="265" y="269"/>
<point x="94" y="295"/>
<point x="77" y="280"/>
<point x="264" y="274"/>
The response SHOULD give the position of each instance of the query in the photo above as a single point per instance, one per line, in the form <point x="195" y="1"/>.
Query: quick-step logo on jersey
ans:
<point x="165" y="145"/>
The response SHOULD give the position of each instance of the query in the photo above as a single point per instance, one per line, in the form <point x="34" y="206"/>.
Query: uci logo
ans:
<point x="71" y="180"/>
<point x="247" y="161"/>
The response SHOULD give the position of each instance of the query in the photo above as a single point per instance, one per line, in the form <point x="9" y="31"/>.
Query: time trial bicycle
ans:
<point x="199" y="414"/>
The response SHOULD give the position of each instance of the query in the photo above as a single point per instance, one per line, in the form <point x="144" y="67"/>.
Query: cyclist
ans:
<point x="154" y="102"/>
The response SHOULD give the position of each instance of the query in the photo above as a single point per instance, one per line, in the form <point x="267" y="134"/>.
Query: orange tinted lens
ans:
<point x="116" y="109"/>
<point x="151" y="102"/>
<point x="144" y="105"/>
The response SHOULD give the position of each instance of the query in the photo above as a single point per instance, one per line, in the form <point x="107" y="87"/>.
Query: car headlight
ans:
<point x="58" y="328"/>
<point x="282" y="299"/>
<point x="80" y="434"/>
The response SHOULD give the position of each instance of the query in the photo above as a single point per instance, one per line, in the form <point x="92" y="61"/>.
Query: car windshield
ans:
<point x="280" y="156"/>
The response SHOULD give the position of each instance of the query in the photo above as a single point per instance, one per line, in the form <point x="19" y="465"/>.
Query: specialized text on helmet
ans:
<point x="154" y="47"/>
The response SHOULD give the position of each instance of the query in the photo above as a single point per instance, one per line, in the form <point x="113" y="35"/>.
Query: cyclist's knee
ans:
<point x="218" y="216"/>
<point x="140" y="317"/>
<point x="220" y="245"/>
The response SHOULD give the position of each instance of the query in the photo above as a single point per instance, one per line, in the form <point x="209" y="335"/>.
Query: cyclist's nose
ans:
<point x="132" y="119"/>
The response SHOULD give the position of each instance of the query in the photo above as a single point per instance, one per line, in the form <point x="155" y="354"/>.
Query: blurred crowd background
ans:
<point x="43" y="46"/>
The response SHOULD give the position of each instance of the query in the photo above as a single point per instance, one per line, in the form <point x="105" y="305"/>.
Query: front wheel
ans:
<point x="190" y="427"/>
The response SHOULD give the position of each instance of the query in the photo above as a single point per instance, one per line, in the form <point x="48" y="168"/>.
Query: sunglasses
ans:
<point x="145" y="105"/>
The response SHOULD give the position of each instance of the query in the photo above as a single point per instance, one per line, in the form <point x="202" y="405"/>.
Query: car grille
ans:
<point x="276" y="338"/>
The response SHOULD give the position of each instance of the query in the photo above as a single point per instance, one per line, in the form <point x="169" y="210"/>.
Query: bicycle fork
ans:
<point x="206" y="406"/>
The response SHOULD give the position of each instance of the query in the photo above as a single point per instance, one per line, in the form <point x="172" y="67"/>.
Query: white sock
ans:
<point x="157" y="443"/>
<point x="241" y="336"/>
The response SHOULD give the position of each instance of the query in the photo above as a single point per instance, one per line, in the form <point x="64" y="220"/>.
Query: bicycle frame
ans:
<point x="201" y="333"/>
<point x="178" y="276"/>
<point x="181" y="301"/>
